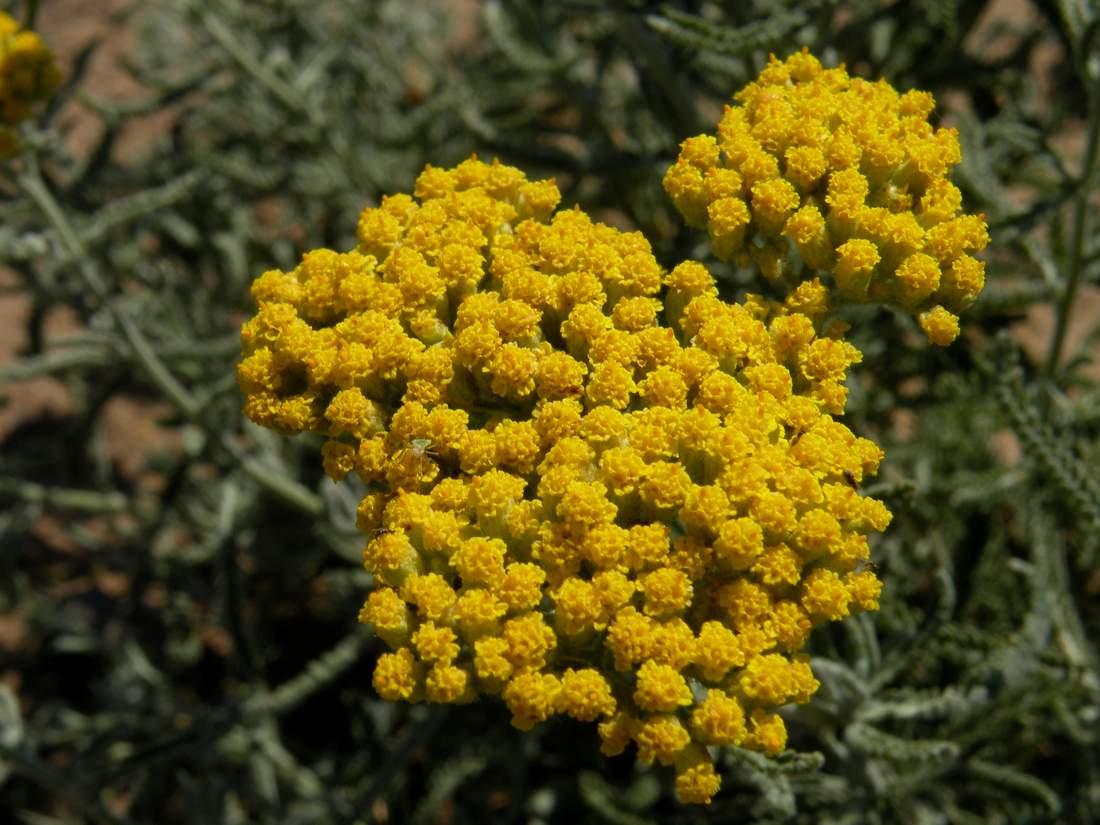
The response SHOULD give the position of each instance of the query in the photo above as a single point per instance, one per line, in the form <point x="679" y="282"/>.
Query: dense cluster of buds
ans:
<point x="594" y="488"/>
<point x="28" y="75"/>
<point x="818" y="175"/>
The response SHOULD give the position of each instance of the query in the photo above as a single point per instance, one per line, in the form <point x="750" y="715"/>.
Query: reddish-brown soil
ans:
<point x="129" y="428"/>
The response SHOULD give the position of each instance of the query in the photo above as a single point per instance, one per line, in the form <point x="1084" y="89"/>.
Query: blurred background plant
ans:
<point x="178" y="589"/>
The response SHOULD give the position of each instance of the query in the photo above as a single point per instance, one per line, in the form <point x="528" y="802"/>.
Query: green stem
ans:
<point x="417" y="734"/>
<point x="298" y="496"/>
<point x="654" y="63"/>
<point x="54" y="361"/>
<point x="1081" y="207"/>
<point x="320" y="672"/>
<point x="32" y="183"/>
<point x="283" y="92"/>
<point x="290" y="491"/>
<point x="91" y="501"/>
<point x="31" y="13"/>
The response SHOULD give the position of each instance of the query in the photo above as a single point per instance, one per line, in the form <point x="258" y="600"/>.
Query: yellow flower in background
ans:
<point x="28" y="75"/>
<point x="594" y="488"/>
<point x="816" y="174"/>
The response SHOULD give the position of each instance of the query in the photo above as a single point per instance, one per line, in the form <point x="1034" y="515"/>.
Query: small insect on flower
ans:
<point x="421" y="450"/>
<point x="850" y="479"/>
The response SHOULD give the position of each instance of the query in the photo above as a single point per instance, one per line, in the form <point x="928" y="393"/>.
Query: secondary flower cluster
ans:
<point x="850" y="175"/>
<point x="28" y="76"/>
<point x="594" y="488"/>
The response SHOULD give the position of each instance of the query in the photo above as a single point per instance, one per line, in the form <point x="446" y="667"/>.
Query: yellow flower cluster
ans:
<point x="594" y="488"/>
<point x="28" y="76"/>
<point x="850" y="175"/>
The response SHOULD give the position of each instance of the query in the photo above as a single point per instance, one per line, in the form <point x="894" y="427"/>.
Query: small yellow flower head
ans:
<point x="940" y="325"/>
<point x="389" y="614"/>
<point x="616" y="733"/>
<point x="521" y="587"/>
<point x="596" y="489"/>
<point x="852" y="176"/>
<point x="666" y="592"/>
<point x="824" y="595"/>
<point x="28" y="75"/>
<point x="774" y="680"/>
<point x="696" y="779"/>
<point x="767" y="732"/>
<point x="478" y="612"/>
<point x="532" y="698"/>
<point x="585" y="695"/>
<point x="492" y="665"/>
<point x="435" y="644"/>
<point x="577" y="607"/>
<point x="661" y="737"/>
<point x="480" y="561"/>
<point x="719" y="720"/>
<point x="395" y="675"/>
<point x="661" y="688"/>
<point x="717" y="650"/>
<point x="447" y="683"/>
